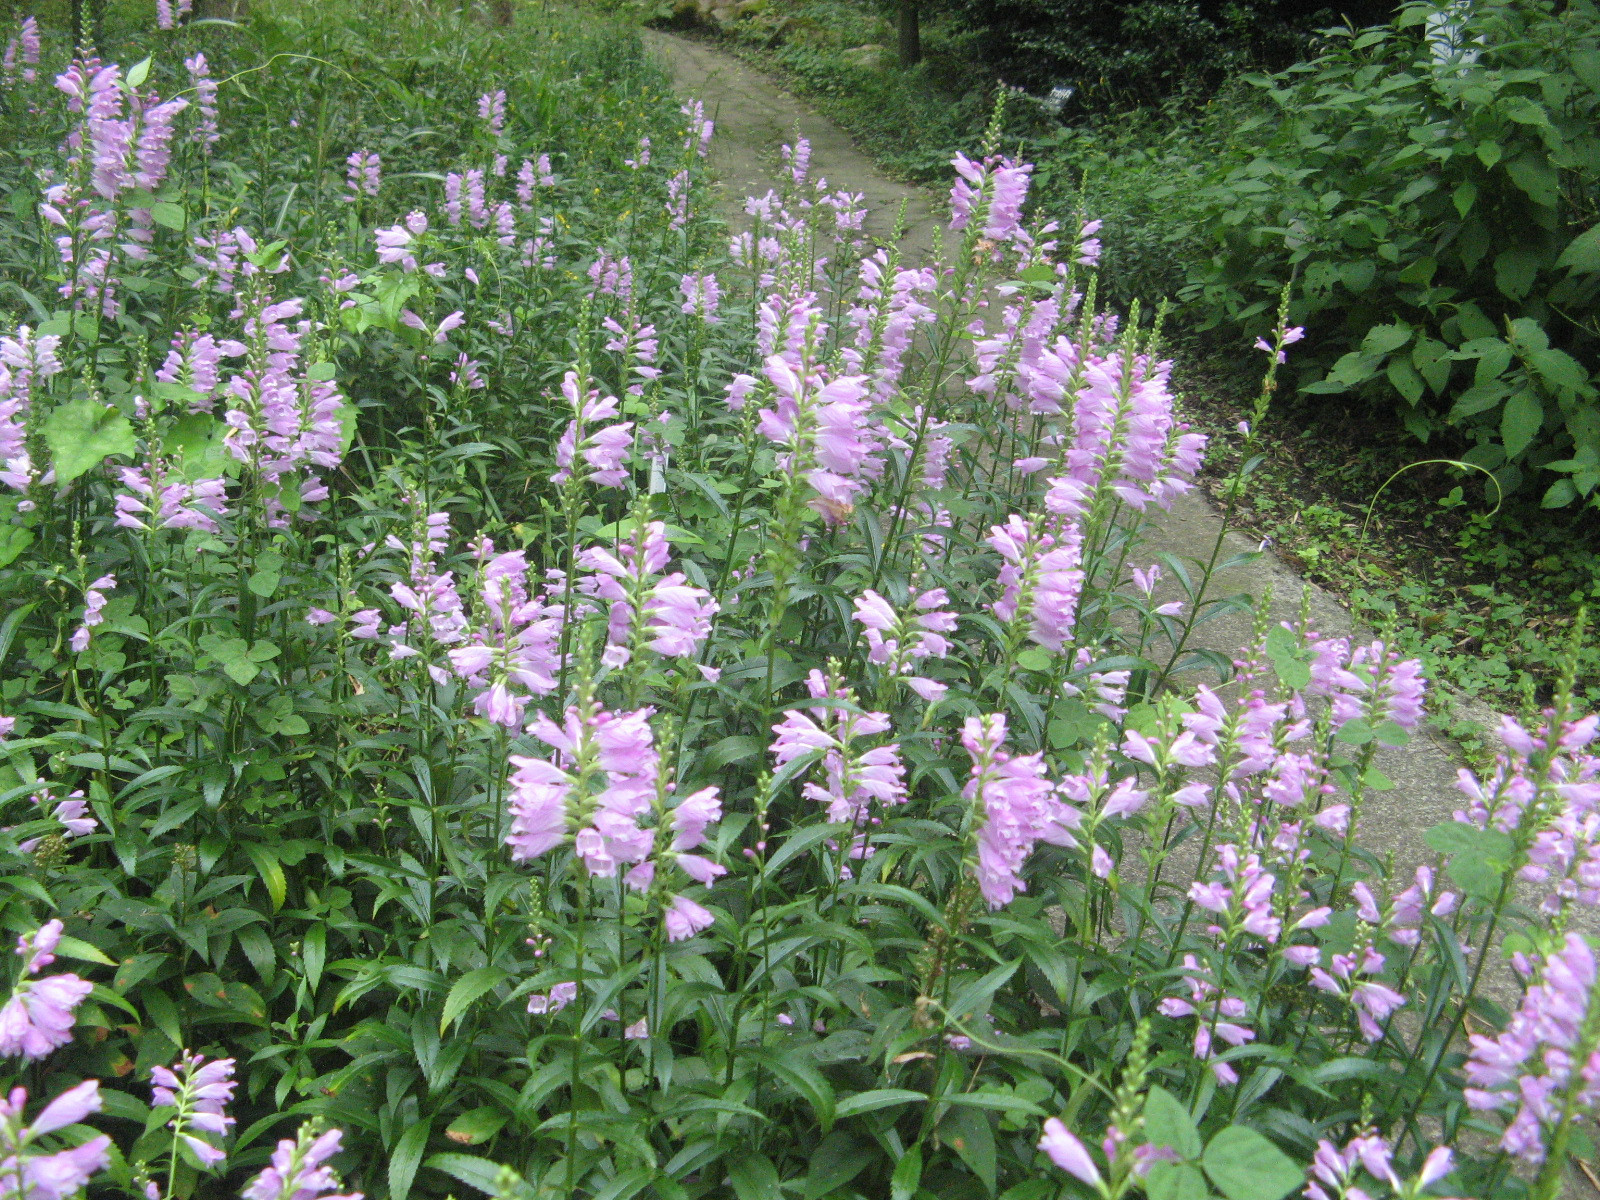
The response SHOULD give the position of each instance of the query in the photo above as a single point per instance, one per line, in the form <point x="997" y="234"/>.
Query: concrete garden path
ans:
<point x="754" y="116"/>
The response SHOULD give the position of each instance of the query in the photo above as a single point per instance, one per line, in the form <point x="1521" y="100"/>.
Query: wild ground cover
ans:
<point x="509" y="688"/>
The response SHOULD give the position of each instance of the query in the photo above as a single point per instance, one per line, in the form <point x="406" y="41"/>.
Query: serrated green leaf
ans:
<point x="477" y="1173"/>
<point x="466" y="991"/>
<point x="406" y="1157"/>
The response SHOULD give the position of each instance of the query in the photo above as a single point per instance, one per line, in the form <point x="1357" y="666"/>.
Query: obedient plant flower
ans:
<point x="38" y="1019"/>
<point x="27" y="361"/>
<point x="1243" y="897"/>
<point x="1372" y="1001"/>
<point x="1041" y="579"/>
<point x="898" y="641"/>
<point x="885" y="321"/>
<point x="492" y="111"/>
<point x="1281" y="337"/>
<point x="300" y="1170"/>
<point x="21" y="58"/>
<point x="989" y="196"/>
<point x="72" y="814"/>
<point x="548" y="1004"/>
<point x="586" y="452"/>
<point x="648" y="609"/>
<point x="1125" y="442"/>
<point x="205" y="133"/>
<point x="701" y="296"/>
<point x="1014" y="805"/>
<point x="1216" y="1014"/>
<point x="28" y="1174"/>
<point x="94" y="603"/>
<point x="1070" y="1154"/>
<point x="1546" y="1064"/>
<point x="1365" y="1160"/>
<point x="364" y="176"/>
<point x="166" y="503"/>
<point x="852" y="776"/>
<point x="199" y="1091"/>
<point x="697" y="135"/>
<point x="512" y="653"/>
<point x="170" y="12"/>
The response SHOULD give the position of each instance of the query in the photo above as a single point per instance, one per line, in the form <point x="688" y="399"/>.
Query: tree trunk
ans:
<point x="910" y="33"/>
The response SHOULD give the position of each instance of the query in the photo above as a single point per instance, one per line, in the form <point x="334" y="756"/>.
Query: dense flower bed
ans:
<point x="542" y="696"/>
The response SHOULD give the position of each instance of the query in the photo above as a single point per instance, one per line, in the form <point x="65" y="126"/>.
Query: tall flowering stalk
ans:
<point x="38" y="1019"/>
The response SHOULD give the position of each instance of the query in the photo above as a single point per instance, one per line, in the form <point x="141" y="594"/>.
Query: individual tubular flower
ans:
<point x="299" y="1169"/>
<point x="1215" y="1014"/>
<point x="1015" y="808"/>
<point x="663" y="612"/>
<point x="587" y="452"/>
<point x="853" y="777"/>
<point x="1070" y="1154"/>
<point x="1546" y="1063"/>
<point x="38" y="1019"/>
<point x="28" y="1174"/>
<point x="199" y="1091"/>
<point x="1040" y="579"/>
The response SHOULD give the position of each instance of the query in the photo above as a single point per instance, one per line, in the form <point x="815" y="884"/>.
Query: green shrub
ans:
<point x="1440" y="219"/>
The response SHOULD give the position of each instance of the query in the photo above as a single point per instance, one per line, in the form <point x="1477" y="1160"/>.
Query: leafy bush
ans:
<point x="1438" y="211"/>
<point x="1129" y="53"/>
<point x="591" y="709"/>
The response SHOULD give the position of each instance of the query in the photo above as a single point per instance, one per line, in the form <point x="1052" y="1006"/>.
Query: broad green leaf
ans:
<point x="466" y="991"/>
<point x="1176" y="1181"/>
<point x="1582" y="252"/>
<point x="1245" y="1166"/>
<point x="14" y="539"/>
<point x="82" y="433"/>
<point x="1168" y="1123"/>
<point x="753" y="1176"/>
<point x="971" y="1135"/>
<point x="477" y="1126"/>
<point x="170" y="216"/>
<point x="835" y="1162"/>
<point x="138" y="73"/>
<point x="1520" y="422"/>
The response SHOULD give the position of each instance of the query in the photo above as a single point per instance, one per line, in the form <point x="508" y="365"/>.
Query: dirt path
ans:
<point x="755" y="116"/>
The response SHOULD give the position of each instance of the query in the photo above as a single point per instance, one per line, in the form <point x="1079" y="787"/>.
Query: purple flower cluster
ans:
<point x="21" y="59"/>
<point x="989" y="196"/>
<point x="200" y="1092"/>
<point x="822" y="425"/>
<point x="300" y="1170"/>
<point x="171" y="13"/>
<point x="72" y="814"/>
<point x="94" y="603"/>
<point x="1216" y="1015"/>
<point x="1372" y="1001"/>
<point x="38" y="1019"/>
<point x="853" y="777"/>
<point x="154" y="501"/>
<point x="363" y="175"/>
<point x="205" y="134"/>
<point x="663" y="612"/>
<point x="1040" y="578"/>
<point x="1549" y="1050"/>
<point x="588" y="450"/>
<point x="1015" y="806"/>
<point x="1348" y="1173"/>
<point x="898" y="641"/>
<point x="27" y="361"/>
<point x="511" y="654"/>
<point x="701" y="296"/>
<point x="26" y="1174"/>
